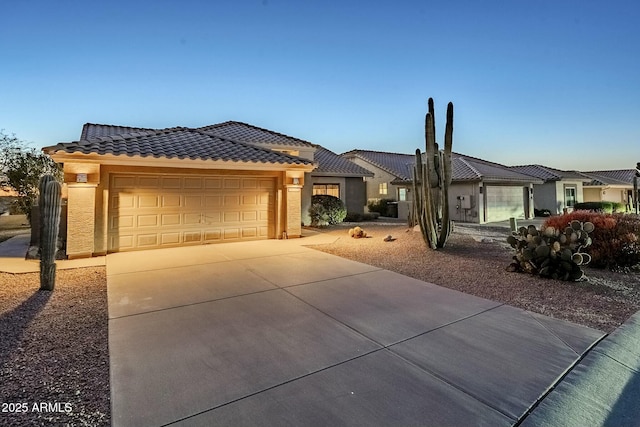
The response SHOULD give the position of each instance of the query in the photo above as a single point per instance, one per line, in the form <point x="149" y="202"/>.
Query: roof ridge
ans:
<point x="261" y="129"/>
<point x="246" y="144"/>
<point x="377" y="151"/>
<point x="470" y="166"/>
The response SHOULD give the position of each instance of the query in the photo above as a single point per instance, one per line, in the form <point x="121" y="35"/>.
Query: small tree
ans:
<point x="21" y="168"/>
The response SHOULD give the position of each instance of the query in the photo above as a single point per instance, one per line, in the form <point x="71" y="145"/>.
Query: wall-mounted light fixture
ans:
<point x="81" y="177"/>
<point x="296" y="181"/>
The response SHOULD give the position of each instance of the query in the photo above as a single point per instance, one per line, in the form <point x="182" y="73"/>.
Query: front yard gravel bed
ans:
<point x="54" y="350"/>
<point x="474" y="261"/>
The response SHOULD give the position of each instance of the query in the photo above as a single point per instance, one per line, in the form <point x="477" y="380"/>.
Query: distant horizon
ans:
<point x="543" y="83"/>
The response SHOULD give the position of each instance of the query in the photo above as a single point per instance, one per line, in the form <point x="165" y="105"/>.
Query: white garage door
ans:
<point x="504" y="202"/>
<point x="154" y="211"/>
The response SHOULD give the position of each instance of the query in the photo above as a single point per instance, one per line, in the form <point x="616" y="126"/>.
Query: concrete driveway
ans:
<point x="274" y="333"/>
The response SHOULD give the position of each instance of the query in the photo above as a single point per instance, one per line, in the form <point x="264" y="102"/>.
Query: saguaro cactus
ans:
<point x="431" y="180"/>
<point x="49" y="203"/>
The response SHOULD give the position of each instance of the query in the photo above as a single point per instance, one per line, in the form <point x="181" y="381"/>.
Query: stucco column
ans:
<point x="81" y="207"/>
<point x="293" y="221"/>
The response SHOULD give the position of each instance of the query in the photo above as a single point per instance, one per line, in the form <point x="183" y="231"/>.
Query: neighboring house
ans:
<point x="136" y="188"/>
<point x="480" y="191"/>
<point x="559" y="190"/>
<point x="391" y="172"/>
<point x="609" y="186"/>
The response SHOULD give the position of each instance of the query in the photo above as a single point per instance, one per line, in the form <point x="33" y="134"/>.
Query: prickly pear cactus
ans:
<point x="552" y="253"/>
<point x="431" y="180"/>
<point x="50" y="202"/>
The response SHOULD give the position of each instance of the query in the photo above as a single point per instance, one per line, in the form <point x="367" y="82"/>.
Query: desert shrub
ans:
<point x="606" y="207"/>
<point x="615" y="238"/>
<point x="326" y="209"/>
<point x="380" y="206"/>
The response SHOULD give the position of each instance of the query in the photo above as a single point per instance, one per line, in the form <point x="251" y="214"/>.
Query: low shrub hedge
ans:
<point x="357" y="217"/>
<point x="607" y="207"/>
<point x="326" y="209"/>
<point x="616" y="238"/>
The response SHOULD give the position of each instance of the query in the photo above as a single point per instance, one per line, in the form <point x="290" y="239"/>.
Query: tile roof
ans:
<point x="610" y="177"/>
<point x="397" y="164"/>
<point x="546" y="173"/>
<point x="331" y="163"/>
<point x="93" y="130"/>
<point x="248" y="133"/>
<point x="178" y="142"/>
<point x="464" y="168"/>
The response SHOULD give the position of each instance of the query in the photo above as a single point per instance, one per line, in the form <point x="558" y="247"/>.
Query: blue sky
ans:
<point x="550" y="82"/>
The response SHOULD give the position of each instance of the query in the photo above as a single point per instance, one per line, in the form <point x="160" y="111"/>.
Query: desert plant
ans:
<point x="326" y="209"/>
<point x="616" y="238"/>
<point x="357" y="233"/>
<point x="49" y="202"/>
<point x="551" y="252"/>
<point x="431" y="180"/>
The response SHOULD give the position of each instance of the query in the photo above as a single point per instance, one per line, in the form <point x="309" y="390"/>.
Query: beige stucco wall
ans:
<point x="80" y="220"/>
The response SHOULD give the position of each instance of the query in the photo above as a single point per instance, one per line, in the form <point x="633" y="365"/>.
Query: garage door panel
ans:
<point x="231" y="233"/>
<point x="147" y="240"/>
<point x="188" y="210"/>
<point x="171" y="201"/>
<point x="249" y="232"/>
<point x="231" y="183"/>
<point x="213" y="201"/>
<point x="170" y="238"/>
<point x="147" y="220"/>
<point x="148" y="182"/>
<point x="148" y="201"/>
<point x="171" y="183"/>
<point x="170" y="219"/>
<point x="212" y="217"/>
<point x="191" y="183"/>
<point x="249" y="216"/>
<point x="123" y="201"/>
<point x="192" y="218"/>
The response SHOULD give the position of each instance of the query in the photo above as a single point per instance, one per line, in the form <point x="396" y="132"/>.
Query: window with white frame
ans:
<point x="402" y="194"/>
<point x="570" y="196"/>
<point x="382" y="188"/>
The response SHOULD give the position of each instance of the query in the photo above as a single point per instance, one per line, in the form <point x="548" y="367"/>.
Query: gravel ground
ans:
<point x="475" y="260"/>
<point x="54" y="356"/>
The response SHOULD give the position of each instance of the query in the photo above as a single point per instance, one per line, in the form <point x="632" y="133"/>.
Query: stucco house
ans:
<point x="559" y="189"/>
<point x="135" y="188"/>
<point x="480" y="191"/>
<point x="609" y="186"/>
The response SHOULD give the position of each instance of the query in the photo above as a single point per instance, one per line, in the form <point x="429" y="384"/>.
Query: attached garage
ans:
<point x="154" y="211"/>
<point x="176" y="187"/>
<point x="504" y="202"/>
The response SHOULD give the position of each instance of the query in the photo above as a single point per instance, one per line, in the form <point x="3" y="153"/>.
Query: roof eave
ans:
<point x="174" y="162"/>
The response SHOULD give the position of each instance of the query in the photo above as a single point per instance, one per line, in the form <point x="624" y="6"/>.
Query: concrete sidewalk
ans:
<point x="602" y="390"/>
<point x="13" y="251"/>
<point x="274" y="333"/>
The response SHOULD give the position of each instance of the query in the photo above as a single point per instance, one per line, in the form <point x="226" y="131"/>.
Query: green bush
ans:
<point x="326" y="209"/>
<point x="616" y="238"/>
<point x="606" y="207"/>
<point x="380" y="206"/>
